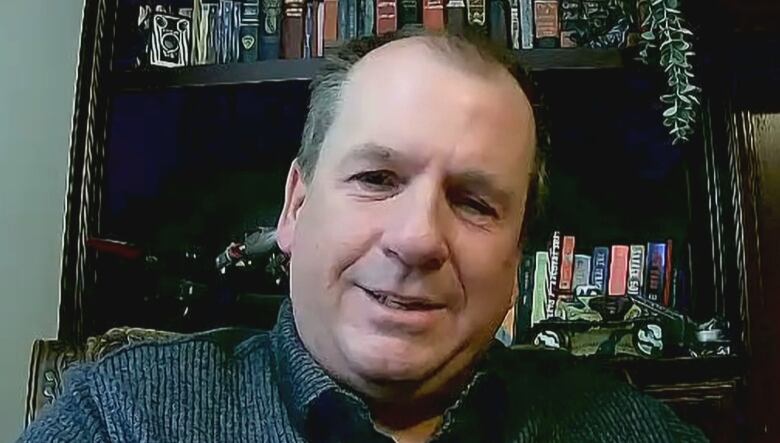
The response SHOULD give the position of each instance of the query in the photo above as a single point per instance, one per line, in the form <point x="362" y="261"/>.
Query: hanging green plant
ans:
<point x="666" y="37"/>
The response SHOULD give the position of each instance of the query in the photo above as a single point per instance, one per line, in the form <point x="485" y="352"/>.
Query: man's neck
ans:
<point x="418" y="433"/>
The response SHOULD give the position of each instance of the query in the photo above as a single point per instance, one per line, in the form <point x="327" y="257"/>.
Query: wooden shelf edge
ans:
<point x="305" y="70"/>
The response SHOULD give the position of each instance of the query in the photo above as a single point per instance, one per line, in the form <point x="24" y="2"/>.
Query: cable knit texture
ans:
<point x="232" y="385"/>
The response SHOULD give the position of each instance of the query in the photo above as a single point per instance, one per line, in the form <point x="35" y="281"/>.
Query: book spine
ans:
<point x="539" y="304"/>
<point x="567" y="265"/>
<point x="546" y="23"/>
<point x="497" y="24"/>
<point x="514" y="24"/>
<point x="331" y="21"/>
<point x="526" y="24"/>
<point x="320" y="52"/>
<point x="409" y="13"/>
<point x="368" y="10"/>
<point x="292" y="29"/>
<point x="656" y="271"/>
<point x="618" y="271"/>
<point x="525" y="297"/>
<point x="636" y="266"/>
<point x="570" y="21"/>
<point x="581" y="271"/>
<point x="270" y="43"/>
<point x="554" y="254"/>
<point x="248" y="31"/>
<point x="668" y="271"/>
<point x="455" y="16"/>
<point x="359" y="5"/>
<point x="352" y="17"/>
<point x="386" y="17"/>
<point x="476" y="15"/>
<point x="309" y="29"/>
<point x="600" y="269"/>
<point x="433" y="14"/>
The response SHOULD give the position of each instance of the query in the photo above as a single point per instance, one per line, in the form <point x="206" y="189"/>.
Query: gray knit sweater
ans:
<point x="235" y="386"/>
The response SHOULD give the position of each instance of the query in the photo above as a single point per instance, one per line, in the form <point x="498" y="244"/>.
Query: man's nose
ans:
<point x="417" y="234"/>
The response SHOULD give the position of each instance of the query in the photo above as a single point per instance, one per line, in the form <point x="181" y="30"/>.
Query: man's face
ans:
<point x="404" y="244"/>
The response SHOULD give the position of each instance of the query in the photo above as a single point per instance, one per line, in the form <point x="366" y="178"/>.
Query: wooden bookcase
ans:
<point x="726" y="166"/>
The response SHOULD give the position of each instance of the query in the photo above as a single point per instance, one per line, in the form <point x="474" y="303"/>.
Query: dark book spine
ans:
<point x="249" y="31"/>
<point x="636" y="266"/>
<point x="526" y="11"/>
<point x="541" y="282"/>
<point x="514" y="24"/>
<point x="554" y="273"/>
<point x="433" y="14"/>
<point x="547" y="24"/>
<point x="226" y="35"/>
<point x="668" y="271"/>
<point x="476" y="15"/>
<point x="331" y="21"/>
<point x="292" y="29"/>
<point x="581" y="275"/>
<point x="656" y="271"/>
<point x="600" y="269"/>
<point x="386" y="17"/>
<point x="408" y="13"/>
<point x="497" y="25"/>
<point x="270" y="43"/>
<point x="571" y="21"/>
<point x="455" y="16"/>
<point x="524" y="302"/>
<point x="618" y="271"/>
<point x="567" y="266"/>
<point x="352" y="18"/>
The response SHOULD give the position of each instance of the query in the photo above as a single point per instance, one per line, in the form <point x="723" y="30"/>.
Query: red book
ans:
<point x="567" y="265"/>
<point x="667" y="301"/>
<point x="386" y="16"/>
<point x="433" y="14"/>
<point x="618" y="271"/>
<point x="331" y="28"/>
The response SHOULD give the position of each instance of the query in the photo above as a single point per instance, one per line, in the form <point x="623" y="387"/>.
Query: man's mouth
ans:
<point x="401" y="303"/>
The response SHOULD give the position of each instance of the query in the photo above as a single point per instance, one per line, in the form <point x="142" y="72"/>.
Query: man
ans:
<point x="402" y="218"/>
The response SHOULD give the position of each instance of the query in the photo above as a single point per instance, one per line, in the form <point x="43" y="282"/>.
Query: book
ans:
<point x="408" y="13"/>
<point x="668" y="271"/>
<point x="546" y="23"/>
<point x="331" y="21"/>
<point x="270" y="17"/>
<point x="525" y="279"/>
<point x="476" y="15"/>
<point x="600" y="269"/>
<point x="366" y="9"/>
<point x="497" y="25"/>
<point x="385" y="17"/>
<point x="571" y="22"/>
<point x="248" y="31"/>
<point x="567" y="266"/>
<point x="205" y="14"/>
<point x="655" y="272"/>
<point x="227" y="31"/>
<point x="433" y="14"/>
<point x="455" y="16"/>
<point x="636" y="266"/>
<point x="539" y="301"/>
<point x="514" y="24"/>
<point x="581" y="273"/>
<point x="526" y="24"/>
<point x="618" y="271"/>
<point x="292" y="29"/>
<point x="554" y="271"/>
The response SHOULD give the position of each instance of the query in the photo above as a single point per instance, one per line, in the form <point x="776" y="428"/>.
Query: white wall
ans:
<point x="38" y="50"/>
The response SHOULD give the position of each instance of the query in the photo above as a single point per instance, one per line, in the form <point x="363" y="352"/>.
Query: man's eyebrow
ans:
<point x="482" y="183"/>
<point x="372" y="153"/>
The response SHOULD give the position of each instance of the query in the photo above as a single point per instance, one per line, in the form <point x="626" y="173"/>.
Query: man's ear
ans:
<point x="294" y="196"/>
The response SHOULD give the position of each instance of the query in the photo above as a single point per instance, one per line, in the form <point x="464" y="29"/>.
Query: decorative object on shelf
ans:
<point x="664" y="33"/>
<point x="170" y="41"/>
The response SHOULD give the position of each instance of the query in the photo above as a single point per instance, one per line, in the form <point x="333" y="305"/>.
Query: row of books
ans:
<point x="229" y="31"/>
<point x="558" y="274"/>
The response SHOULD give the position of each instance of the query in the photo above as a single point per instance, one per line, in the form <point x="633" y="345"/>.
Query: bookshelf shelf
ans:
<point x="304" y="70"/>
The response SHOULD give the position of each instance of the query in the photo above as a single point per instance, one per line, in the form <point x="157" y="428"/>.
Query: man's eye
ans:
<point x="380" y="180"/>
<point x="476" y="206"/>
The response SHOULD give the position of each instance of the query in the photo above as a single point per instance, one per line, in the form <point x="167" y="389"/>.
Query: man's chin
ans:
<point x="391" y="363"/>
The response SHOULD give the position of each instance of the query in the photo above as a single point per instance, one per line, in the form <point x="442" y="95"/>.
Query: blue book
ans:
<point x="600" y="269"/>
<point x="656" y="272"/>
<point x="581" y="270"/>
